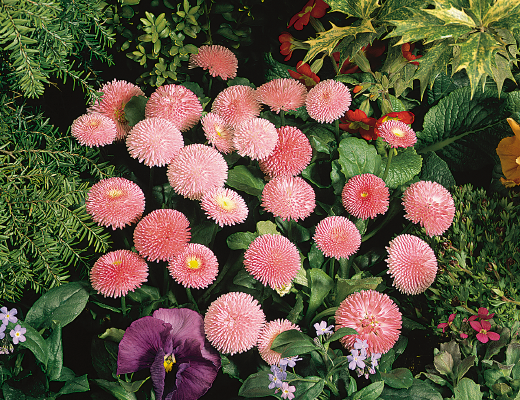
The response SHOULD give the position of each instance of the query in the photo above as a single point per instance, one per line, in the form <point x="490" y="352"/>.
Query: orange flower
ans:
<point x="313" y="8"/>
<point x="357" y="121"/>
<point x="406" y="50"/>
<point x="304" y="74"/>
<point x="509" y="152"/>
<point x="289" y="44"/>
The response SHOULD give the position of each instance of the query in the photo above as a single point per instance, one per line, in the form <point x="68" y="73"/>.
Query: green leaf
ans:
<point x="464" y="367"/>
<point x="76" y="385"/>
<point x="321" y="284"/>
<point x="433" y="64"/>
<point x="292" y="343"/>
<point x="229" y="367"/>
<point x="399" y="378"/>
<point x="341" y="332"/>
<point x="115" y="389"/>
<point x="55" y="347"/>
<point x="420" y="390"/>
<point x="275" y="69"/>
<point x="357" y="157"/>
<point x="362" y="9"/>
<point x="35" y="343"/>
<point x="452" y="15"/>
<point x="467" y="390"/>
<point x="245" y="179"/>
<point x="256" y="385"/>
<point x="61" y="305"/>
<point x="240" y="240"/>
<point x="266" y="227"/>
<point x="403" y="167"/>
<point x="398" y="9"/>
<point x="345" y="287"/>
<point x="435" y="169"/>
<point x="308" y="390"/>
<point x="370" y="392"/>
<point x="502" y="12"/>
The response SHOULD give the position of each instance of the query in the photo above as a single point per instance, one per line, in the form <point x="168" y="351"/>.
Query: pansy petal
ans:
<point x="140" y="343"/>
<point x="193" y="380"/>
<point x="158" y="374"/>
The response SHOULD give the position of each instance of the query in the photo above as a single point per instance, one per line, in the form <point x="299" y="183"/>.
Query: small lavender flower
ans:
<point x="279" y="372"/>
<point x="289" y="362"/>
<point x="322" y="328"/>
<point x="361" y="345"/>
<point x="18" y="334"/>
<point x="356" y="360"/>
<point x="2" y="331"/>
<point x="8" y="316"/>
<point x="276" y="382"/>
<point x="287" y="391"/>
<point x="374" y="359"/>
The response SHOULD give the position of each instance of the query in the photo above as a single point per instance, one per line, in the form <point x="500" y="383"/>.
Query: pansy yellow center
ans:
<point x="169" y="360"/>
<point x="364" y="194"/>
<point x="193" y="263"/>
<point x="226" y="203"/>
<point x="398" y="132"/>
<point x="114" y="193"/>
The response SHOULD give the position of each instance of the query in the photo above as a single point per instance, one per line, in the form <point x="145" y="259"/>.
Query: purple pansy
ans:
<point x="8" y="316"/>
<point x="183" y="365"/>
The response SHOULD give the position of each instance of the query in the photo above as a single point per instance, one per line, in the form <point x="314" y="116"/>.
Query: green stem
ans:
<point x="388" y="162"/>
<point x="192" y="299"/>
<point x="124" y="310"/>
<point x="282" y="117"/>
<point x="331" y="267"/>
<point x="344" y="268"/>
<point x="336" y="130"/>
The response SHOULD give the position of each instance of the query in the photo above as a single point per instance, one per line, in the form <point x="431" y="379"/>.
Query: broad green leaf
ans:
<point x="420" y="390"/>
<point x="357" y="157"/>
<point x="275" y="69"/>
<point x="443" y="363"/>
<point x="479" y="8"/>
<point x="341" y="332"/>
<point x="245" y="179"/>
<point x="327" y="41"/>
<point x="443" y="85"/>
<point x="467" y="390"/>
<point x="134" y="109"/>
<point x="464" y="367"/>
<point x="266" y="227"/>
<point x="399" y="378"/>
<point x="476" y="57"/>
<point x="76" y="385"/>
<point x="308" y="390"/>
<point x="229" y="367"/>
<point x="435" y="169"/>
<point x="452" y="15"/>
<point x="403" y="167"/>
<point x="433" y="64"/>
<point x="321" y="284"/>
<point x="370" y="392"/>
<point x="501" y="69"/>
<point x="398" y="9"/>
<point x="55" y="346"/>
<point x="292" y="343"/>
<point x="502" y="10"/>
<point x="256" y="385"/>
<point x="362" y="9"/>
<point x="240" y="240"/>
<point x="115" y="389"/>
<point x="61" y="305"/>
<point x="345" y="287"/>
<point x="35" y="343"/>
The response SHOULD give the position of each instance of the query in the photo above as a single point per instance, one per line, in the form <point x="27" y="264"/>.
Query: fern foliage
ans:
<point x="44" y="228"/>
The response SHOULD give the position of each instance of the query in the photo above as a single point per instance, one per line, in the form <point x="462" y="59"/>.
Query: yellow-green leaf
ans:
<point x="327" y="41"/>
<point x="398" y="9"/>
<point x="357" y="8"/>
<point x="433" y="63"/>
<point x="502" y="9"/>
<point x="451" y="15"/>
<point x="479" y="8"/>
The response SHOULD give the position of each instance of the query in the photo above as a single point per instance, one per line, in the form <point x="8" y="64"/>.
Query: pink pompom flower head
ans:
<point x="218" y="132"/>
<point x="113" y="101"/>
<point x="289" y="197"/>
<point x="429" y="204"/>
<point x="162" y="235"/>
<point x="225" y="206"/>
<point x="236" y="104"/>
<point x="291" y="155"/>
<point x="328" y="101"/>
<point x="118" y="272"/>
<point x="255" y="138"/>
<point x="176" y="103"/>
<point x="337" y="237"/>
<point x="282" y="94"/>
<point x="218" y="60"/>
<point x="94" y="130"/>
<point x="233" y="322"/>
<point x="374" y="316"/>
<point x="365" y="196"/>
<point x="154" y="141"/>
<point x="195" y="267"/>
<point x="196" y="169"/>
<point x="273" y="260"/>
<point x="397" y="134"/>
<point x="115" y="202"/>
<point x="267" y="335"/>
<point x="412" y="264"/>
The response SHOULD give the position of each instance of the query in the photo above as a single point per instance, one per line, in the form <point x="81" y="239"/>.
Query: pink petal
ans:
<point x="482" y="338"/>
<point x="493" y="335"/>
<point x="475" y="325"/>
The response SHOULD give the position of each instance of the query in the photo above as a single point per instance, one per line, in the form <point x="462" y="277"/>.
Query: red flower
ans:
<point x="313" y="8"/>
<point x="406" y="50"/>
<point x="305" y="75"/>
<point x="405" y="116"/>
<point x="357" y="121"/>
<point x="289" y="44"/>
<point x="372" y="53"/>
<point x="483" y="328"/>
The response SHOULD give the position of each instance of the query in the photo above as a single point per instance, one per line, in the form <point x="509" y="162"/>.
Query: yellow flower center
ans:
<point x="114" y="193"/>
<point x="226" y="203"/>
<point x="95" y="123"/>
<point x="218" y="130"/>
<point x="169" y="360"/>
<point x="193" y="263"/>
<point x="398" y="132"/>
<point x="364" y="194"/>
<point x="117" y="262"/>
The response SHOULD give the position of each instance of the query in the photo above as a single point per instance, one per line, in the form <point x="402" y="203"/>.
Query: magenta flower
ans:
<point x="183" y="365"/>
<point x="483" y="313"/>
<point x="483" y="327"/>
<point x="445" y="325"/>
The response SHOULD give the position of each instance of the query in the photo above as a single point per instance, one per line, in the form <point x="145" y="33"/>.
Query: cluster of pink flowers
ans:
<point x="479" y="323"/>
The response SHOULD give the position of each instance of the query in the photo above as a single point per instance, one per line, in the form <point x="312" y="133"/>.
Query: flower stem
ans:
<point x="124" y="310"/>
<point x="336" y="130"/>
<point x="192" y="299"/>
<point x="282" y="118"/>
<point x="388" y="162"/>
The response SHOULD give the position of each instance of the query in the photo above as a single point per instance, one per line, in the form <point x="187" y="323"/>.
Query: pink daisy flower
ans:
<point x="162" y="235"/>
<point x="289" y="197"/>
<point x="337" y="237"/>
<point x="366" y="195"/>
<point x="267" y="335"/>
<point x="255" y="138"/>
<point x="233" y="322"/>
<point x="397" y="134"/>
<point x="218" y="132"/>
<point x="291" y="155"/>
<point x="196" y="169"/>
<point x="282" y="94"/>
<point x="412" y="264"/>
<point x="218" y="60"/>
<point x="113" y="101"/>
<point x="273" y="260"/>
<point x="195" y="267"/>
<point x="154" y="141"/>
<point x="115" y="202"/>
<point x="236" y="104"/>
<point x="328" y="101"/>
<point x="429" y="204"/>
<point x="118" y="272"/>
<point x="374" y="316"/>
<point x="94" y="130"/>
<point x="176" y="103"/>
<point x="225" y="206"/>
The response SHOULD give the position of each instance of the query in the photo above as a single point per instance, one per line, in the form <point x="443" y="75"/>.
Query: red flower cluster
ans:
<point x="372" y="53"/>
<point x="407" y="49"/>
<point x="305" y="75"/>
<point x="313" y="8"/>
